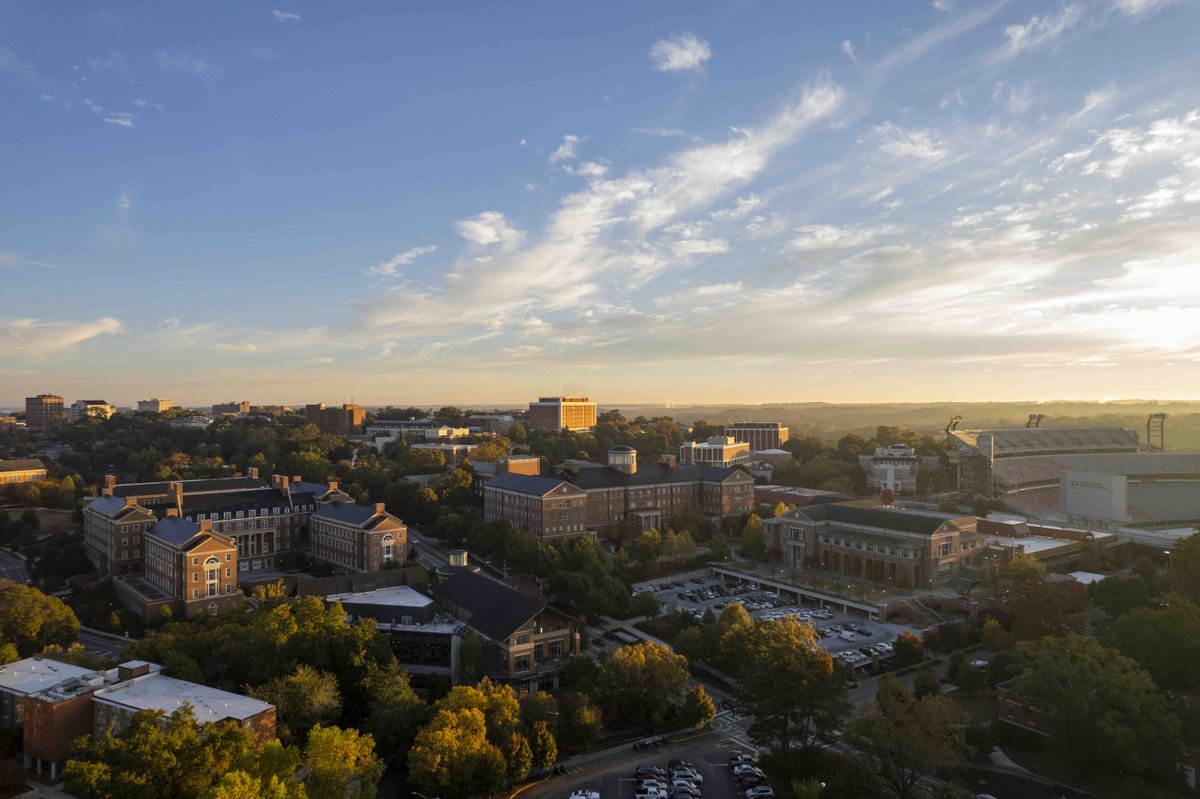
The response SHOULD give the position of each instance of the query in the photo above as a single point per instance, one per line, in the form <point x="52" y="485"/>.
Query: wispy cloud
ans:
<point x="489" y="227"/>
<point x="665" y="133"/>
<point x="920" y="46"/>
<point x="234" y="347"/>
<point x="848" y="49"/>
<point x="902" y="142"/>
<point x="1141" y="8"/>
<point x="122" y="120"/>
<point x="139" y="102"/>
<point x="567" y="150"/>
<point x="943" y="5"/>
<point x="832" y="237"/>
<point x="1039" y="31"/>
<point x="183" y="62"/>
<point x="9" y="260"/>
<point x="37" y="339"/>
<point x="389" y="267"/>
<point x="681" y="53"/>
<point x="285" y="16"/>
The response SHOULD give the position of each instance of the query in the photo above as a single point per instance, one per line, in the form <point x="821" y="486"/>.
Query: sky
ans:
<point x="396" y="202"/>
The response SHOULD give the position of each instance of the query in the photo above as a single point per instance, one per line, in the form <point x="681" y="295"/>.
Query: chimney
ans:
<point x="670" y="461"/>
<point x="172" y="513"/>
<point x="106" y="492"/>
<point x="297" y="478"/>
<point x="252" y="472"/>
<point x="205" y="525"/>
<point x="573" y="466"/>
<point x="110" y="481"/>
<point x="380" y="507"/>
<point x="130" y="501"/>
<point x="333" y="484"/>
<point x="175" y="488"/>
<point x="131" y="669"/>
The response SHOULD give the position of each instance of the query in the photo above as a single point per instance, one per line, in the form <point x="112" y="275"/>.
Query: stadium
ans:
<point x="1095" y="476"/>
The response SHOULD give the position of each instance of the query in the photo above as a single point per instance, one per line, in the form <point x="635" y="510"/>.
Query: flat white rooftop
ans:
<point x="396" y="596"/>
<point x="32" y="675"/>
<point x="1032" y="543"/>
<point x="159" y="692"/>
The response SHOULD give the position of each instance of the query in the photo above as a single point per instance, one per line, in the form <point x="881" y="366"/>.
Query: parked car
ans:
<point x="846" y="635"/>
<point x="746" y="768"/>
<point x="643" y="769"/>
<point x="649" y="793"/>
<point x="677" y="763"/>
<point x="688" y="774"/>
<point x="742" y="760"/>
<point x="584" y="794"/>
<point x="760" y="792"/>
<point x="747" y="781"/>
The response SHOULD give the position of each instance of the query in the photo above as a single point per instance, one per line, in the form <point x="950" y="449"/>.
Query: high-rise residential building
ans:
<point x="155" y="405"/>
<point x="90" y="409"/>
<point x="562" y="413"/>
<point x="717" y="451"/>
<point x="759" y="435"/>
<point x="43" y="411"/>
<point x="238" y="408"/>
<point x="348" y="420"/>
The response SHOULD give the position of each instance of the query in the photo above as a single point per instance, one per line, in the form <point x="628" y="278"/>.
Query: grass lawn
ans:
<point x="54" y="521"/>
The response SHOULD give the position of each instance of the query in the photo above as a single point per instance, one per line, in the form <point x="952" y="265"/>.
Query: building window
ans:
<point x="522" y="639"/>
<point x="521" y="663"/>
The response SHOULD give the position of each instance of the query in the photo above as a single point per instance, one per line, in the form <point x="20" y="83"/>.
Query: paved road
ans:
<point x="98" y="643"/>
<point x="13" y="568"/>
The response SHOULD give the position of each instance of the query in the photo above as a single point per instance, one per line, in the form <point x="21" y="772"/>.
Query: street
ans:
<point x="13" y="568"/>
<point x="104" y="644"/>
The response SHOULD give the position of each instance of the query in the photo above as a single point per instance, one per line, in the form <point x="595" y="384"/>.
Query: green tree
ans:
<point x="787" y="684"/>
<point x="240" y="785"/>
<point x="925" y="683"/>
<point x="1119" y="595"/>
<point x="1048" y="609"/>
<point x="1165" y="641"/>
<point x="452" y="756"/>
<point x="423" y="507"/>
<point x="1108" y="713"/>
<point x="545" y="748"/>
<point x="909" y="649"/>
<point x="1183" y="576"/>
<point x="31" y="620"/>
<point x="581" y="725"/>
<point x="341" y="763"/>
<point x="646" y="604"/>
<point x="395" y="711"/>
<point x="752" y="544"/>
<point x="303" y="699"/>
<point x="907" y="738"/>
<point x="698" y="708"/>
<point x="645" y="681"/>
<point x="1025" y="568"/>
<point x="539" y="708"/>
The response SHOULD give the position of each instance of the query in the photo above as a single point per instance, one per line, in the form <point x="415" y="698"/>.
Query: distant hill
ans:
<point x="827" y="420"/>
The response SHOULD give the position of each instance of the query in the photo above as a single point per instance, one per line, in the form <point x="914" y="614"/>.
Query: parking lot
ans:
<point x="852" y="639"/>
<point x="709" y="756"/>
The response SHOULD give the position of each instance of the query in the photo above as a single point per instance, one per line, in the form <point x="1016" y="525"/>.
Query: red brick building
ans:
<point x="358" y="538"/>
<point x="548" y="507"/>
<point x="562" y="413"/>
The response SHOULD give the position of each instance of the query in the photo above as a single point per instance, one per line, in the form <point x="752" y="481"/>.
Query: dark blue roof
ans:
<point x="651" y="474"/>
<point x="175" y="531"/>
<point x="345" y="512"/>
<point x="525" y="483"/>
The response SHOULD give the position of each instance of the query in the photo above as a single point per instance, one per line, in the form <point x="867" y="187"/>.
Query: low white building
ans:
<point x="721" y="451"/>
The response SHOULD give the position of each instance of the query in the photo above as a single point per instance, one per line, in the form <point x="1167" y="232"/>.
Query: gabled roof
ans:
<point x="189" y="486"/>
<point x="21" y="465"/>
<point x="528" y="484"/>
<point x="496" y="610"/>
<point x="349" y="513"/>
<point x="113" y="506"/>
<point x="175" y="531"/>
<point x="651" y="474"/>
<point x="920" y="524"/>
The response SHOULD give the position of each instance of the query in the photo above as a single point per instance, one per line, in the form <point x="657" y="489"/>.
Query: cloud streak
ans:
<point x="683" y="53"/>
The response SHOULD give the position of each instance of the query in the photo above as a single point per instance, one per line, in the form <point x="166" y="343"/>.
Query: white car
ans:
<point x="687" y="774"/>
<point x="748" y="767"/>
<point x="582" y="794"/>
<point x="760" y="792"/>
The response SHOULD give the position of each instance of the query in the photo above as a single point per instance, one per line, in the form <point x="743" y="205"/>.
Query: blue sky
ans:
<point x="744" y="202"/>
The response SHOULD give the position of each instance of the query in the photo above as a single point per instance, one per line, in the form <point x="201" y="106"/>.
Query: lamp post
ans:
<point x="1167" y="552"/>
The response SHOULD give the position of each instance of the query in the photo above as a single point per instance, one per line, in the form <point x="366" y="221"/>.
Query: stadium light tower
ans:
<point x="1035" y="419"/>
<point x="1155" y="431"/>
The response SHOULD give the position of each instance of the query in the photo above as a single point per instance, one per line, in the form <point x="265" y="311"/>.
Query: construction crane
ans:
<point x="1035" y="419"/>
<point x="953" y="425"/>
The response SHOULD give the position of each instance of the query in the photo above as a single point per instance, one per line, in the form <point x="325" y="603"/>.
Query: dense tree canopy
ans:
<point x="1164" y="640"/>
<point x="1108" y="713"/>
<point x="31" y="620"/>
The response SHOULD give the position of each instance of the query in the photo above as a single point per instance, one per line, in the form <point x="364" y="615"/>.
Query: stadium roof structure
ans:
<point x="1013" y="442"/>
